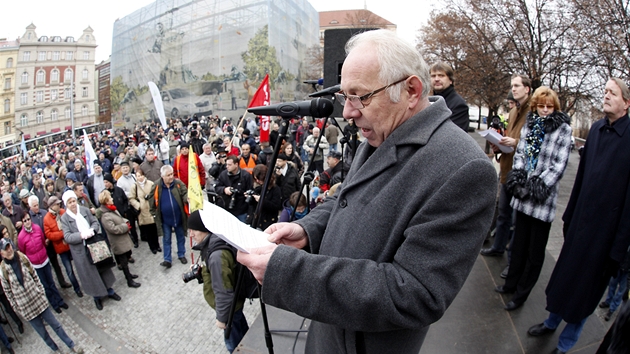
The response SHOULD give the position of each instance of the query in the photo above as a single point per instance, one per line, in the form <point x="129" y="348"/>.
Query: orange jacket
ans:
<point x="52" y="232"/>
<point x="249" y="167"/>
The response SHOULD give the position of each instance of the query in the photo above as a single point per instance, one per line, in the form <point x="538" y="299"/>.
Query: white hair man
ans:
<point x="425" y="183"/>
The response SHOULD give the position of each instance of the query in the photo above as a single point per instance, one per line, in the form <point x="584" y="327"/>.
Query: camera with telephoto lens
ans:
<point x="193" y="273"/>
<point x="232" y="203"/>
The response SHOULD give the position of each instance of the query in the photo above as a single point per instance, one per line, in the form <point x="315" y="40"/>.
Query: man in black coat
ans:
<point x="333" y="174"/>
<point x="286" y="177"/>
<point x="231" y="185"/>
<point x="596" y="222"/>
<point x="442" y="82"/>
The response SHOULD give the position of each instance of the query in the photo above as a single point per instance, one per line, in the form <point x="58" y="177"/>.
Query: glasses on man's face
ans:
<point x="543" y="106"/>
<point x="360" y="102"/>
<point x="26" y="219"/>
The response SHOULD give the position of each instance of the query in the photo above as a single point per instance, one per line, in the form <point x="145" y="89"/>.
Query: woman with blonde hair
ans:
<point x="539" y="163"/>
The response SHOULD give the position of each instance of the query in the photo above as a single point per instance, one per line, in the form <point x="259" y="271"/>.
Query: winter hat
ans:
<point x="195" y="222"/>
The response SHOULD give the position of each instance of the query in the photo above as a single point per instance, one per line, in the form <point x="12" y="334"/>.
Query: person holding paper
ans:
<point x="418" y="204"/>
<point x="521" y="89"/>
<point x="539" y="163"/>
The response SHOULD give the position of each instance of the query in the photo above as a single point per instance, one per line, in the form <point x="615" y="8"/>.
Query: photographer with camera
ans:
<point x="218" y="278"/>
<point x="273" y="198"/>
<point x="230" y="186"/>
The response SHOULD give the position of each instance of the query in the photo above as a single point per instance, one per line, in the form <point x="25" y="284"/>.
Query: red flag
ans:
<point x="262" y="98"/>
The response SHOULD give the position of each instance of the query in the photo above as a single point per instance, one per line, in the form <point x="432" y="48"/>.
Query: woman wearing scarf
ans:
<point x="79" y="224"/>
<point x="117" y="229"/>
<point x="138" y="200"/>
<point x="32" y="242"/>
<point x="539" y="164"/>
<point x="54" y="233"/>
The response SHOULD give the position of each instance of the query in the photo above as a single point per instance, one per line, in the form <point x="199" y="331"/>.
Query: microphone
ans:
<point x="317" y="108"/>
<point x="327" y="91"/>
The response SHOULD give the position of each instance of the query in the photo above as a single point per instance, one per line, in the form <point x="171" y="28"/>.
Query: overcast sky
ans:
<point x="70" y="17"/>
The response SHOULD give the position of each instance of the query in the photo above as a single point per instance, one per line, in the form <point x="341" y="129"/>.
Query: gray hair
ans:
<point x="6" y="195"/>
<point x="33" y="200"/>
<point x="397" y="59"/>
<point x="165" y="169"/>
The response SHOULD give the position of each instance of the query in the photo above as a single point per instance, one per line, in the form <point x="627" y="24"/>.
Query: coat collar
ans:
<point x="417" y="130"/>
<point x="619" y="126"/>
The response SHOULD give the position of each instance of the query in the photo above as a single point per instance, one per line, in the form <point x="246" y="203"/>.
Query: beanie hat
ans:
<point x="195" y="222"/>
<point x="108" y="177"/>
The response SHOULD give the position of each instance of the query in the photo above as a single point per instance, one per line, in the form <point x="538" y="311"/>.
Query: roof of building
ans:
<point x="346" y="18"/>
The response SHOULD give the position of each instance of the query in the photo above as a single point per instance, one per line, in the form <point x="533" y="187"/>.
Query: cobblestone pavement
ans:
<point x="164" y="315"/>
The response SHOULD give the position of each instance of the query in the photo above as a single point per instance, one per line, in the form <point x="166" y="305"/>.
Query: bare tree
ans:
<point x="493" y="39"/>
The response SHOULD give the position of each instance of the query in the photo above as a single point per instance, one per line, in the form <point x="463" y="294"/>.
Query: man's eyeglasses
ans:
<point x="26" y="219"/>
<point x="221" y="156"/>
<point x="360" y="102"/>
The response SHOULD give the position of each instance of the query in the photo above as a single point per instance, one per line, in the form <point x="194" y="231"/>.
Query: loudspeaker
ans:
<point x="334" y="54"/>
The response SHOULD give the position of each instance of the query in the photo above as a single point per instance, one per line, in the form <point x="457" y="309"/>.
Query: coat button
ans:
<point x="343" y="203"/>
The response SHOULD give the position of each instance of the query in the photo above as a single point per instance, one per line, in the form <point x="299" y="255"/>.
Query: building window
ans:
<point x="25" y="78"/>
<point x="86" y="55"/>
<point x="85" y="74"/>
<point x="70" y="55"/>
<point x="43" y="39"/>
<point x="53" y="94"/>
<point x="70" y="39"/>
<point x="55" y="55"/>
<point x="41" y="56"/>
<point x="10" y="63"/>
<point x="41" y="76"/>
<point x="26" y="56"/>
<point x="84" y="110"/>
<point x="54" y="75"/>
<point x="85" y="92"/>
<point x="39" y="96"/>
<point x="54" y="114"/>
<point x="66" y="93"/>
<point x="7" y="83"/>
<point x="7" y="106"/>
<point x="68" y="113"/>
<point x="7" y="128"/>
<point x="24" y="98"/>
<point x="24" y="120"/>
<point x="40" y="117"/>
<point x="67" y="75"/>
<point x="87" y="37"/>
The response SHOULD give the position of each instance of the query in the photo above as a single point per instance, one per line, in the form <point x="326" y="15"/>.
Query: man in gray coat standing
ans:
<point x="391" y="249"/>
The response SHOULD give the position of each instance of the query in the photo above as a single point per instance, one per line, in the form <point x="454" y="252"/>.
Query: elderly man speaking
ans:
<point x="391" y="249"/>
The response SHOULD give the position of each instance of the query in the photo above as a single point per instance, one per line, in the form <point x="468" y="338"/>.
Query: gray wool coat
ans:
<point x="93" y="281"/>
<point x="391" y="250"/>
<point x="117" y="231"/>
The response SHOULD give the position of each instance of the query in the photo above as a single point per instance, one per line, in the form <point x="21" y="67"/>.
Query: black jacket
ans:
<point x="121" y="202"/>
<point x="288" y="183"/>
<point x="242" y="181"/>
<point x="458" y="107"/>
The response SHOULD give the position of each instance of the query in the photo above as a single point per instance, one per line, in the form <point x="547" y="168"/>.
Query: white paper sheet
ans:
<point x="494" y="137"/>
<point x="225" y="225"/>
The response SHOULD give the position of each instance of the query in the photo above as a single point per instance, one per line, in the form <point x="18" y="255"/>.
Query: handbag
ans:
<point x="97" y="250"/>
